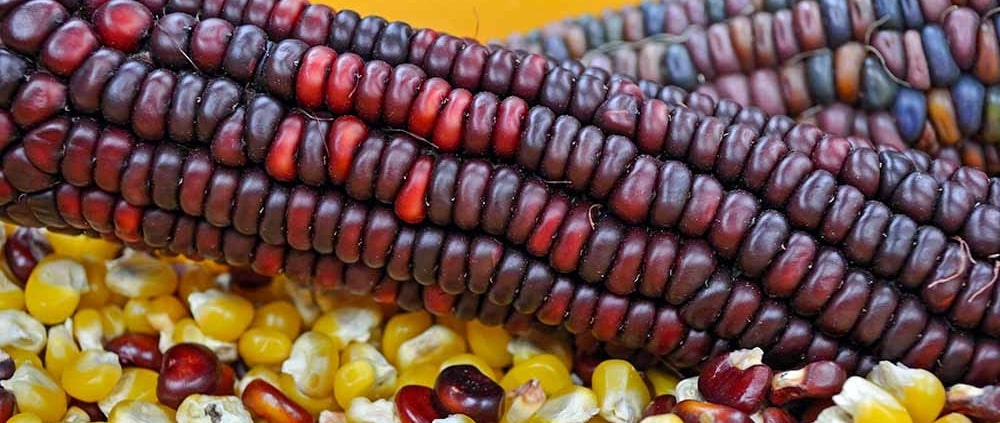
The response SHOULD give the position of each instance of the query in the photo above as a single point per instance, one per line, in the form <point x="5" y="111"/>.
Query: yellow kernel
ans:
<point x="422" y="374"/>
<point x="354" y="379"/>
<point x="664" y="382"/>
<point x="312" y="362"/>
<point x="210" y="408"/>
<point x="401" y="328"/>
<point x="92" y="376"/>
<point x="221" y="315"/>
<point x="918" y="390"/>
<point x="472" y="360"/>
<point x="455" y="418"/>
<point x="84" y="247"/>
<point x="524" y="348"/>
<point x="60" y="351"/>
<point x="140" y="275"/>
<point x="264" y="346"/>
<point x="112" y="321"/>
<point x="953" y="418"/>
<point x="434" y="345"/>
<point x="866" y="402"/>
<point x="136" y="383"/>
<point x="167" y="306"/>
<point x="136" y="314"/>
<point x="22" y="356"/>
<point x="662" y="418"/>
<point x="546" y="368"/>
<point x="348" y="323"/>
<point x="574" y="404"/>
<point x="194" y="279"/>
<point x="88" y="329"/>
<point x="11" y="295"/>
<point x="489" y="343"/>
<point x="21" y="330"/>
<point x="313" y="405"/>
<point x="523" y="402"/>
<point x="278" y="315"/>
<point x="25" y="418"/>
<point x="75" y="415"/>
<point x="620" y="390"/>
<point x="98" y="295"/>
<point x="53" y="290"/>
<point x="35" y="392"/>
<point x="385" y="373"/>
<point x="131" y="411"/>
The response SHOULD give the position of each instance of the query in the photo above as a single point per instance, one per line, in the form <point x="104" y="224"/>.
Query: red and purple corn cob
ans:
<point x="529" y="199"/>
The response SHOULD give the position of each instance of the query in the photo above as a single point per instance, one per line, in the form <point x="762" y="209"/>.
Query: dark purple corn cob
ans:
<point x="732" y="235"/>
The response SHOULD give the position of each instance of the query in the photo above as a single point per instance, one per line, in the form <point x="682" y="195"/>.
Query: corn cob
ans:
<point x="102" y="212"/>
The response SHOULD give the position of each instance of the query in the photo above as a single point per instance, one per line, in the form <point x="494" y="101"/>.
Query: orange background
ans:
<point x="496" y="18"/>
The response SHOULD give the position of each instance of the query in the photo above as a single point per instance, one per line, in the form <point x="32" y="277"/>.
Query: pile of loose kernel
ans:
<point x="93" y="332"/>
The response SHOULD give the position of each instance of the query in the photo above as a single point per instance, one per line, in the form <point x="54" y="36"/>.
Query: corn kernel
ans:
<point x="486" y="342"/>
<point x="664" y="382"/>
<point x="60" y="351"/>
<point x="953" y="418"/>
<point x="328" y="416"/>
<point x="22" y="356"/>
<point x="88" y="329"/>
<point x="546" y="368"/>
<point x="472" y="360"/>
<point x="302" y="299"/>
<point x="918" y="390"/>
<point x="75" y="415"/>
<point x="620" y="390"/>
<point x="212" y="409"/>
<point x="136" y="314"/>
<point x="575" y="404"/>
<point x="523" y="402"/>
<point x="363" y="410"/>
<point x="25" y="418"/>
<point x="112" y="321"/>
<point x="433" y="345"/>
<point x="135" y="384"/>
<point x="313" y="405"/>
<point x="221" y="315"/>
<point x="53" y="290"/>
<point x="687" y="389"/>
<point x="312" y="363"/>
<point x="131" y="411"/>
<point x="36" y="392"/>
<point x="166" y="308"/>
<point x="352" y="380"/>
<point x="21" y="331"/>
<point x="85" y="247"/>
<point x="186" y="330"/>
<point x="385" y="373"/>
<point x="264" y="346"/>
<point x="421" y="374"/>
<point x="92" y="375"/>
<point x="347" y="324"/>
<point x="99" y="294"/>
<point x="194" y="278"/>
<point x="401" y="328"/>
<point x="260" y="372"/>
<point x="866" y="402"/>
<point x="662" y="418"/>
<point x="140" y="275"/>
<point x="278" y="315"/>
<point x="524" y="348"/>
<point x="11" y="295"/>
<point x="833" y="414"/>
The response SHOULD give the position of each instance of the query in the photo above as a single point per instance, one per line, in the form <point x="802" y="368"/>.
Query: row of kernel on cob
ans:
<point x="102" y="334"/>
